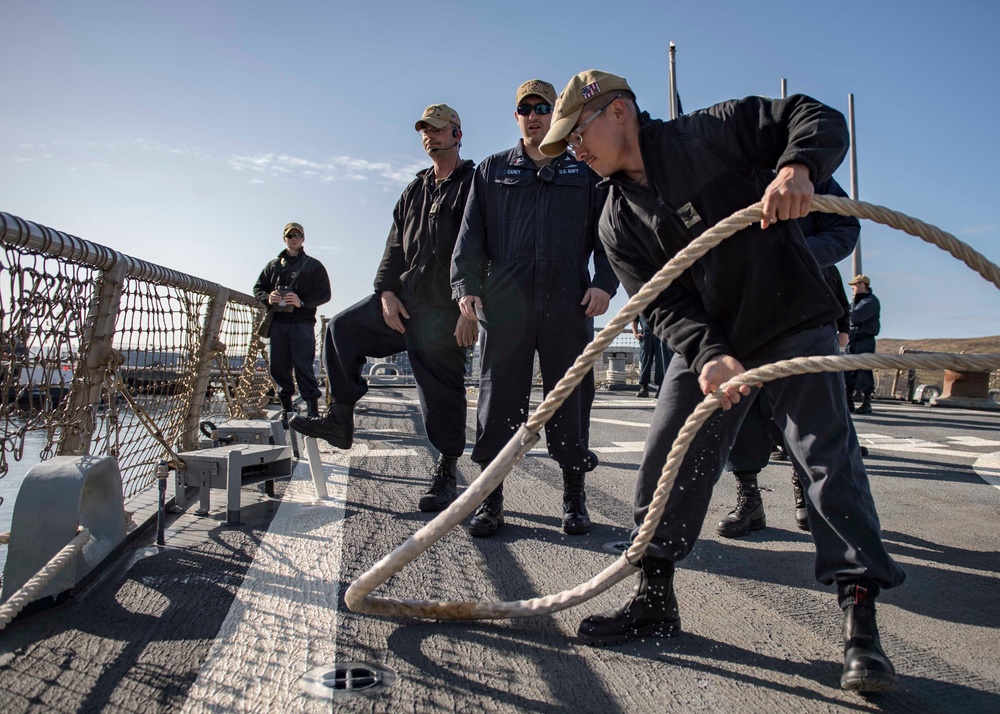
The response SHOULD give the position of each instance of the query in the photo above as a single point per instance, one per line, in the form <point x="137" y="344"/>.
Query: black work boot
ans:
<point x="650" y="612"/>
<point x="866" y="404"/>
<point x="286" y="406"/>
<point x="643" y="391"/>
<point x="576" y="520"/>
<point x="801" y="512"/>
<point x="444" y="485"/>
<point x="749" y="512"/>
<point x="312" y="408"/>
<point x="866" y="668"/>
<point x="337" y="426"/>
<point x="489" y="516"/>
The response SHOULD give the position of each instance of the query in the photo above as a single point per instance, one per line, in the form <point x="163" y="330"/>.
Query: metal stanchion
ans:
<point x="162" y="474"/>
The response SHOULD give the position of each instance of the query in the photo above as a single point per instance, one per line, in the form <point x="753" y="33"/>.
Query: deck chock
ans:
<point x="57" y="497"/>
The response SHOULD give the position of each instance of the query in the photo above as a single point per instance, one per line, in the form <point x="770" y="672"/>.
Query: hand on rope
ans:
<point x="789" y="195"/>
<point x="715" y="375"/>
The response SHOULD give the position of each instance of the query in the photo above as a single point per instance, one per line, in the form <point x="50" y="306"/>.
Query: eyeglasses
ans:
<point x="539" y="109"/>
<point x="294" y="235"/>
<point x="575" y="138"/>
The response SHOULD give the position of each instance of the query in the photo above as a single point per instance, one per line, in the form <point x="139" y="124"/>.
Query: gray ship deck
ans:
<point x="229" y="619"/>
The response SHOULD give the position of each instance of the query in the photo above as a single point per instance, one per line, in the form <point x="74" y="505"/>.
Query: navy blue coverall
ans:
<point x="524" y="249"/>
<point x="865" y="324"/>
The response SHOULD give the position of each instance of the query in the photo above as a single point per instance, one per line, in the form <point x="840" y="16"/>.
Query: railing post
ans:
<point x="248" y="377"/>
<point x="210" y="344"/>
<point x="85" y="397"/>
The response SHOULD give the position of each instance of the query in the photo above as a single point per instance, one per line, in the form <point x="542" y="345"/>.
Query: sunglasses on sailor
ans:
<point x="526" y="109"/>
<point x="293" y="235"/>
<point x="575" y="139"/>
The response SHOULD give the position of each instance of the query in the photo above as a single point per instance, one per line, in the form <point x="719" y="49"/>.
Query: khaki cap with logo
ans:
<point x="438" y="116"/>
<point x="860" y="279"/>
<point x="580" y="90"/>
<point x="289" y="227"/>
<point x="537" y="87"/>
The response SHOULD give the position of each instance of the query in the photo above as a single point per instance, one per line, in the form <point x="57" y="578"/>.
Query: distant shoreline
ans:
<point x="889" y="345"/>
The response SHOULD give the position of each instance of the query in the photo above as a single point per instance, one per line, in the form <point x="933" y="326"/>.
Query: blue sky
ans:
<point x="188" y="133"/>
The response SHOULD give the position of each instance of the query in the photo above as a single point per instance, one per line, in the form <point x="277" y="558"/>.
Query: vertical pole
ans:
<point x="673" y="81"/>
<point x="162" y="473"/>
<point x="234" y="480"/>
<point x="206" y="361"/>
<point x="856" y="256"/>
<point x="784" y="88"/>
<point x="97" y="337"/>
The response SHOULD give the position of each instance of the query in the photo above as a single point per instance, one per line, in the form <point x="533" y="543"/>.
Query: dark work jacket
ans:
<point x="528" y="234"/>
<point x="425" y="223"/>
<point x="755" y="287"/>
<point x="830" y="237"/>
<point x="310" y="283"/>
<point x="865" y="323"/>
<point x="836" y="284"/>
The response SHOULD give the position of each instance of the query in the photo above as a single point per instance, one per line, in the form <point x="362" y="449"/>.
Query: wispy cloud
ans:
<point x="156" y="146"/>
<point x="977" y="230"/>
<point x="337" y="168"/>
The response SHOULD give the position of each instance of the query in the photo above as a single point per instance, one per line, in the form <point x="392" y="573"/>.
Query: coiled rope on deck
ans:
<point x="358" y="596"/>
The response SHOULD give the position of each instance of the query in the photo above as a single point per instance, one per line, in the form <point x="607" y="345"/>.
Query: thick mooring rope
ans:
<point x="27" y="592"/>
<point x="358" y="596"/>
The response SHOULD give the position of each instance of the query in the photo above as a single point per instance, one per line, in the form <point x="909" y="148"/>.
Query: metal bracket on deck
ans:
<point x="230" y="467"/>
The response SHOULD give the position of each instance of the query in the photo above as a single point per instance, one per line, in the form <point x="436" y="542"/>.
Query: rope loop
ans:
<point x="358" y="596"/>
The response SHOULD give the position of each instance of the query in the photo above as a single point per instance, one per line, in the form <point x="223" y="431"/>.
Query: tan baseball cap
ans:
<point x="539" y="88"/>
<point x="580" y="90"/>
<point x="289" y="227"/>
<point x="438" y="116"/>
<point x="860" y="279"/>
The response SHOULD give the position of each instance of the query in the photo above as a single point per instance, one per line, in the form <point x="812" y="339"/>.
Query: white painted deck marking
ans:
<point x="621" y="422"/>
<point x="360" y="451"/>
<point x="973" y="441"/>
<point x="987" y="467"/>
<point x="621" y="447"/>
<point x="283" y="620"/>
<point x="913" y="445"/>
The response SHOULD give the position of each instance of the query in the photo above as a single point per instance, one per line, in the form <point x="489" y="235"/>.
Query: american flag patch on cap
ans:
<point x="590" y="91"/>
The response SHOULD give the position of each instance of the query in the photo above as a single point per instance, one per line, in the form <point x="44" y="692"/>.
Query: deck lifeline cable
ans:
<point x="358" y="596"/>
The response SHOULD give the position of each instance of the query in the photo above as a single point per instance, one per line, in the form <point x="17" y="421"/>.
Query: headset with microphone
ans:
<point x="454" y="135"/>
